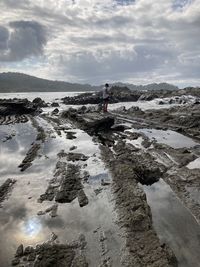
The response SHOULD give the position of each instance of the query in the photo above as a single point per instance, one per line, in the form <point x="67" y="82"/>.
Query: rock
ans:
<point x="5" y="188"/>
<point x="54" y="104"/>
<point x="28" y="250"/>
<point x="70" y="135"/>
<point x="100" y="125"/>
<point x="40" y="213"/>
<point x="55" y="111"/>
<point x="39" y="102"/>
<point x="98" y="191"/>
<point x="80" y="261"/>
<point x="19" y="251"/>
<point x="82" y="198"/>
<point x="72" y="148"/>
<point x="76" y="156"/>
<point x="30" y="156"/>
<point x="104" y="183"/>
<point x="15" y="262"/>
<point x="17" y="107"/>
<point x="70" y="185"/>
<point x="31" y="257"/>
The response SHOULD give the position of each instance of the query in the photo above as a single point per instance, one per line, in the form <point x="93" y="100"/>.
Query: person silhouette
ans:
<point x="106" y="97"/>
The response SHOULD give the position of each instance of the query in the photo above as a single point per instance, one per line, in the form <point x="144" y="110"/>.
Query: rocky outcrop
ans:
<point x="17" y="107"/>
<point x="38" y="102"/>
<point x="142" y="244"/>
<point x="117" y="94"/>
<point x="5" y="188"/>
<point x="66" y="184"/>
<point x="53" y="254"/>
<point x="30" y="156"/>
<point x="92" y="123"/>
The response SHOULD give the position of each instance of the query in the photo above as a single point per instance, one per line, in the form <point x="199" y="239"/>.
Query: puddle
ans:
<point x="13" y="151"/>
<point x="168" y="137"/>
<point x="19" y="222"/>
<point x="174" y="224"/>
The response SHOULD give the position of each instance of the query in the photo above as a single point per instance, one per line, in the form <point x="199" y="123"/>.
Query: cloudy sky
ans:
<point x="94" y="41"/>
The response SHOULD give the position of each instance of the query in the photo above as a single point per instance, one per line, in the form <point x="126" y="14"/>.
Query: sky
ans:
<point x="98" y="41"/>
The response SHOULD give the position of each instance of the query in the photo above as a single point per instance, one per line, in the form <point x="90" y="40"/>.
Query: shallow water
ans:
<point x="174" y="224"/>
<point x="47" y="96"/>
<point x="19" y="222"/>
<point x="168" y="137"/>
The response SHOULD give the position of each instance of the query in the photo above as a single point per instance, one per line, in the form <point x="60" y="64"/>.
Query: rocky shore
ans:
<point x="136" y="148"/>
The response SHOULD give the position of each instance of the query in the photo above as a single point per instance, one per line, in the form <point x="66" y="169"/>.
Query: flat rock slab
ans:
<point x="90" y="122"/>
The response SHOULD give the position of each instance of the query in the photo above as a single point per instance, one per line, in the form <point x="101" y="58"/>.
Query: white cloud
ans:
<point x="94" y="41"/>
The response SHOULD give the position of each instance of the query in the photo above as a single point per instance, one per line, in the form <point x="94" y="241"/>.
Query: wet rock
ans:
<point x="55" y="111"/>
<point x="82" y="198"/>
<point x="30" y="156"/>
<point x="52" y="210"/>
<point x="104" y="183"/>
<point x="28" y="250"/>
<point x="54" y="104"/>
<point x="70" y="135"/>
<point x="73" y="148"/>
<point x="16" y="107"/>
<point x="39" y="102"/>
<point x="31" y="257"/>
<point x="98" y="191"/>
<point x="92" y="123"/>
<point x="127" y="169"/>
<point x="40" y="213"/>
<point x="120" y="128"/>
<point x="100" y="125"/>
<point x="80" y="261"/>
<point x="70" y="185"/>
<point x="76" y="156"/>
<point x="15" y="262"/>
<point x="5" y="188"/>
<point x="48" y="195"/>
<point x="20" y="251"/>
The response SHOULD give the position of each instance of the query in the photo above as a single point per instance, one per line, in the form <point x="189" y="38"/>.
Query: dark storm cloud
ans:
<point x="26" y="39"/>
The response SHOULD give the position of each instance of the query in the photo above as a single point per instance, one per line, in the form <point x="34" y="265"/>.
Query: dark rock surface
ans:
<point x="134" y="213"/>
<point x="93" y="122"/>
<point x="38" y="102"/>
<point x="53" y="254"/>
<point x="30" y="156"/>
<point x="5" y="188"/>
<point x="66" y="184"/>
<point x="17" y="107"/>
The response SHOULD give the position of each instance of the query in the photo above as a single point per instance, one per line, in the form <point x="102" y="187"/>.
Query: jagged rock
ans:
<point x="5" y="188"/>
<point x="82" y="198"/>
<point x="76" y="156"/>
<point x="54" y="104"/>
<point x="39" y="102"/>
<point x="15" y="262"/>
<point x="55" y="111"/>
<point x="17" y="107"/>
<point x="70" y="135"/>
<point x="72" y="148"/>
<point x="20" y="251"/>
<point x="28" y="250"/>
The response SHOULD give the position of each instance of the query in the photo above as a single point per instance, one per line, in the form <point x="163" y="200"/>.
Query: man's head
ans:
<point x="106" y="85"/>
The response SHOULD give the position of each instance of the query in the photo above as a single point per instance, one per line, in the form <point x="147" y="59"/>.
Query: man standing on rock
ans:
<point x="105" y="97"/>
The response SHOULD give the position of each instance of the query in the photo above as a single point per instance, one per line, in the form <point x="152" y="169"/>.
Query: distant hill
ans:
<point x="152" y="86"/>
<point x="19" y="82"/>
